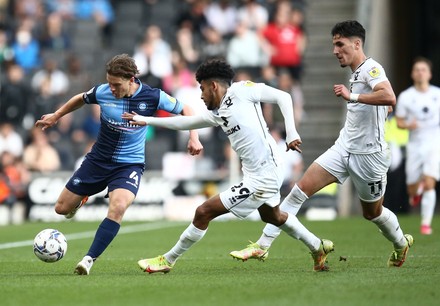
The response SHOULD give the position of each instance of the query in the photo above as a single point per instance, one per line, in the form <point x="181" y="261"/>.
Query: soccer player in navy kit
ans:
<point x="117" y="159"/>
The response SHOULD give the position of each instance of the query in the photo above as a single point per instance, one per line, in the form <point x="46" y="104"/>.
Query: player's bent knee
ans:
<point x="275" y="220"/>
<point x="370" y="216"/>
<point x="61" y="209"/>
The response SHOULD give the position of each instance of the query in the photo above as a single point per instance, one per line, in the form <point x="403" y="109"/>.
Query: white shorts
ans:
<point x="262" y="187"/>
<point x="422" y="159"/>
<point x="368" y="172"/>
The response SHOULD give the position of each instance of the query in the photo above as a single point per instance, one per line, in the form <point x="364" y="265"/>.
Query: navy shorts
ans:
<point x="93" y="177"/>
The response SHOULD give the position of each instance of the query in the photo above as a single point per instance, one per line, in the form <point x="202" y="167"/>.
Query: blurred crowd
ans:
<point x="263" y="40"/>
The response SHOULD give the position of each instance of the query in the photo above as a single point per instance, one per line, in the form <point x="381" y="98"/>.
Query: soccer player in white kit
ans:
<point x="418" y="110"/>
<point x="360" y="152"/>
<point x="236" y="109"/>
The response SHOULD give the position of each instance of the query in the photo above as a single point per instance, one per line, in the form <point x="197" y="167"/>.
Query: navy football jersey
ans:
<point x="118" y="141"/>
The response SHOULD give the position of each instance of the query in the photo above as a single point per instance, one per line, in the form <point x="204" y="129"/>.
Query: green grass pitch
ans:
<point x="207" y="275"/>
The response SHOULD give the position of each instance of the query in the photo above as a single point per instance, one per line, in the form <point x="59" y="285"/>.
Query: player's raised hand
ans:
<point x="130" y="118"/>
<point x="294" y="145"/>
<point x="47" y="121"/>
<point x="341" y="91"/>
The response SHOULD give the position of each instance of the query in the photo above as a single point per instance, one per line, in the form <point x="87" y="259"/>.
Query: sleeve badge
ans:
<point x="172" y="99"/>
<point x="374" y="72"/>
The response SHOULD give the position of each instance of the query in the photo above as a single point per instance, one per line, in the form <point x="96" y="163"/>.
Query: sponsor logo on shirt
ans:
<point x="232" y="130"/>
<point x="109" y="104"/>
<point x="121" y="125"/>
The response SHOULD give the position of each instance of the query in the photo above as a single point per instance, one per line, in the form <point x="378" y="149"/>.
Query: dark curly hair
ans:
<point x="349" y="28"/>
<point x="216" y="68"/>
<point x="122" y="66"/>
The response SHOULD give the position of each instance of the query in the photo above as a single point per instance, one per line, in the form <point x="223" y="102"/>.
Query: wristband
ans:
<point x="354" y="97"/>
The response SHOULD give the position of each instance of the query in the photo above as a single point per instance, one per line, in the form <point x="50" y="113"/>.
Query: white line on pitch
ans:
<point x="124" y="230"/>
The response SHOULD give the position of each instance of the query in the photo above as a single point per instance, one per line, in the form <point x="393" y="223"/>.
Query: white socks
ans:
<point x="189" y="236"/>
<point x="295" y="229"/>
<point x="291" y="204"/>
<point x="389" y="225"/>
<point x="428" y="206"/>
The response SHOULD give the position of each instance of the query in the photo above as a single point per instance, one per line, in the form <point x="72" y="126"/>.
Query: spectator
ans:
<point x="39" y="155"/>
<point x="213" y="46"/>
<point x="63" y="8"/>
<point x="26" y="50"/>
<point x="55" y="36"/>
<point x="253" y="14"/>
<point x="50" y="84"/>
<point x="101" y="11"/>
<point x="78" y="79"/>
<point x="185" y="46"/>
<point x="194" y="19"/>
<point x="245" y="51"/>
<point x="10" y="139"/>
<point x="18" y="178"/>
<point x="16" y="98"/>
<point x="6" y="196"/>
<point x="6" y="52"/>
<point x="222" y="16"/>
<point x="77" y="76"/>
<point x="181" y="75"/>
<point x="153" y="54"/>
<point x="33" y="9"/>
<point x="286" y="41"/>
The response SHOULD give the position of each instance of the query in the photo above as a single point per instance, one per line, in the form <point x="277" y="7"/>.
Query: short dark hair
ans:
<point x="349" y="28"/>
<point x="216" y="68"/>
<point x="122" y="66"/>
<point x="421" y="59"/>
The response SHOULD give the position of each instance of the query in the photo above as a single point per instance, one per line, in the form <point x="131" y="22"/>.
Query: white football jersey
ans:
<point x="241" y="118"/>
<point x="423" y="107"/>
<point x="363" y="131"/>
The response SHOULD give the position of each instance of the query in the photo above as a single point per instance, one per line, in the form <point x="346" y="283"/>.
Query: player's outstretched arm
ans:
<point x="49" y="120"/>
<point x="173" y="123"/>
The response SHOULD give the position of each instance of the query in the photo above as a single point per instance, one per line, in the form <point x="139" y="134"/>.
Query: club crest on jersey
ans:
<point x="142" y="106"/>
<point x="374" y="72"/>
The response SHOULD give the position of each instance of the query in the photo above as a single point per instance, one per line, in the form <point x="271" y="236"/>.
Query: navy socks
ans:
<point x="107" y="230"/>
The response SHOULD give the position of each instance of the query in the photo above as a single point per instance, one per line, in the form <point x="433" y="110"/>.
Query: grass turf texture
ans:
<point x="207" y="275"/>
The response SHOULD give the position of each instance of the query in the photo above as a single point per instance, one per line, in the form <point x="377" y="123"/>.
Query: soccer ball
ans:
<point x="50" y="245"/>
